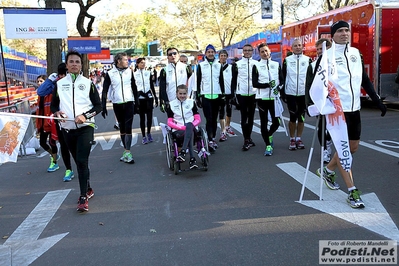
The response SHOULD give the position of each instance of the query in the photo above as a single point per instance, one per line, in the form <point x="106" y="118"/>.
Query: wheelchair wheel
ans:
<point x="170" y="154"/>
<point x="176" y="167"/>
<point x="205" y="157"/>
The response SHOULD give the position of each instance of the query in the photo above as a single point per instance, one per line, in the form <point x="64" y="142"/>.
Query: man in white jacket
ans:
<point x="350" y="77"/>
<point x="294" y="72"/>
<point x="242" y="86"/>
<point x="266" y="78"/>
<point x="123" y="91"/>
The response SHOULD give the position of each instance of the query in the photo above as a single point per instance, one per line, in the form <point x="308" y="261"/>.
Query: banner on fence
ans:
<point x="12" y="132"/>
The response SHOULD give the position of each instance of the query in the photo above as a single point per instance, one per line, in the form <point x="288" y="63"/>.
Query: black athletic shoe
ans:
<point x="246" y="145"/>
<point x="193" y="163"/>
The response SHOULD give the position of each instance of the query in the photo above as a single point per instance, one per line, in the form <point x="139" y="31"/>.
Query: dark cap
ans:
<point x="210" y="46"/>
<point x="62" y="70"/>
<point x="337" y="25"/>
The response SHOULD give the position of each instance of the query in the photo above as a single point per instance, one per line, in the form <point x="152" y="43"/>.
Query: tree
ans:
<point x="54" y="54"/>
<point x="334" y="4"/>
<point x="232" y="18"/>
<point x="294" y="9"/>
<point x="54" y="46"/>
<point x="213" y="21"/>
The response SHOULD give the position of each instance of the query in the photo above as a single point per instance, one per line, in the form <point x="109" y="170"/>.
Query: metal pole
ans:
<point x="4" y="69"/>
<point x="282" y="13"/>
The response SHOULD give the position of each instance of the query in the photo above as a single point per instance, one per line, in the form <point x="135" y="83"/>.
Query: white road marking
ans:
<point x="23" y="246"/>
<point x="373" y="217"/>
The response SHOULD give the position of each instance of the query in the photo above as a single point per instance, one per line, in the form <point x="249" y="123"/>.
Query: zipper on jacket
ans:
<point x="182" y="113"/>
<point x="142" y="77"/>
<point x="123" y="95"/>
<point x="248" y="76"/>
<point x="73" y="99"/>
<point x="211" y="80"/>
<point x="268" y="71"/>
<point x="297" y="75"/>
<point x="175" y="66"/>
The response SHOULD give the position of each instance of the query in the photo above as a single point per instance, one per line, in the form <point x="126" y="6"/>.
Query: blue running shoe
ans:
<point x="53" y="166"/>
<point x="69" y="175"/>
<point x="268" y="151"/>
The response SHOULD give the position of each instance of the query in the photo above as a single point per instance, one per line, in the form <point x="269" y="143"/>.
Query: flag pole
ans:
<point x="323" y="130"/>
<point x="41" y="116"/>
<point x="308" y="163"/>
<point x="4" y="70"/>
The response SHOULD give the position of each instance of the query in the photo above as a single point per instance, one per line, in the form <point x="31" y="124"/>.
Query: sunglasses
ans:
<point x="172" y="53"/>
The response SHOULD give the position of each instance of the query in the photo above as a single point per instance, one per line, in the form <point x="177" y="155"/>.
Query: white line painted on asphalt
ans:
<point x="373" y="217"/>
<point x="23" y="246"/>
<point x="379" y="149"/>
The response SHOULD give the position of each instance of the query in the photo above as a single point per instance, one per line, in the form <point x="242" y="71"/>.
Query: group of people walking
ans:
<point x="75" y="101"/>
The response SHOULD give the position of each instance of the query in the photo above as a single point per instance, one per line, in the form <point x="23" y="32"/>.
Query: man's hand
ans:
<point x="104" y="112"/>
<point x="275" y="91"/>
<point x="383" y="108"/>
<point x="198" y="101"/>
<point x="272" y="84"/>
<point x="156" y="102"/>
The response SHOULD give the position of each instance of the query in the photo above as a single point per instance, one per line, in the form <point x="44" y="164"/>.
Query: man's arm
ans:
<point x="46" y="88"/>
<point x="134" y="88"/>
<point x="199" y="79"/>
<point x="55" y="101"/>
<point x="162" y="86"/>
<point x="369" y="88"/>
<point x="308" y="84"/>
<point x="255" y="79"/>
<point x="221" y="80"/>
<point x="95" y="100"/>
<point x="234" y="72"/>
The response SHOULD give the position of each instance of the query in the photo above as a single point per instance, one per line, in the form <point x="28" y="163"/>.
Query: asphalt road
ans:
<point x="243" y="211"/>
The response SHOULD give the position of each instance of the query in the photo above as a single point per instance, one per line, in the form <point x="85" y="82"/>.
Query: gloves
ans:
<point x="272" y="84"/>
<point x="136" y="108"/>
<point x="382" y="107"/>
<point x="53" y="77"/>
<point x="198" y="101"/>
<point x="275" y="91"/>
<point x="104" y="113"/>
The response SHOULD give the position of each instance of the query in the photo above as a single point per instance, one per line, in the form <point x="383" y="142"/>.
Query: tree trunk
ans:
<point x="54" y="46"/>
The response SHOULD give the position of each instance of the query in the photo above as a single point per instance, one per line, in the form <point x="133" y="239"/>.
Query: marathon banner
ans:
<point x="35" y="23"/>
<point x="267" y="9"/>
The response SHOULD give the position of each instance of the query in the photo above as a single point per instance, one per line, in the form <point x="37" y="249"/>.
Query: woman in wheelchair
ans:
<point x="183" y="118"/>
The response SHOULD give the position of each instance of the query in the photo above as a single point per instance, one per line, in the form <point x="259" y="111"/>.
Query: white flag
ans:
<point x="12" y="131"/>
<point x="319" y="90"/>
<point x="327" y="102"/>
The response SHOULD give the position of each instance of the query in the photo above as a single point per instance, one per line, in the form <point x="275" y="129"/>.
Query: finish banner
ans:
<point x="35" y="23"/>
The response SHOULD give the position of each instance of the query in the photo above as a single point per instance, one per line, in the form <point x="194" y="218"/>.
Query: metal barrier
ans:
<point x="23" y="108"/>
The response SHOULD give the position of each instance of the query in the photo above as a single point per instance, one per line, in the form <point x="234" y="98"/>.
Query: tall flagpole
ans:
<point x="4" y="69"/>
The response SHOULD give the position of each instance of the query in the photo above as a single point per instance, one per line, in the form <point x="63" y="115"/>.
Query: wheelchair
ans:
<point x="200" y="146"/>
